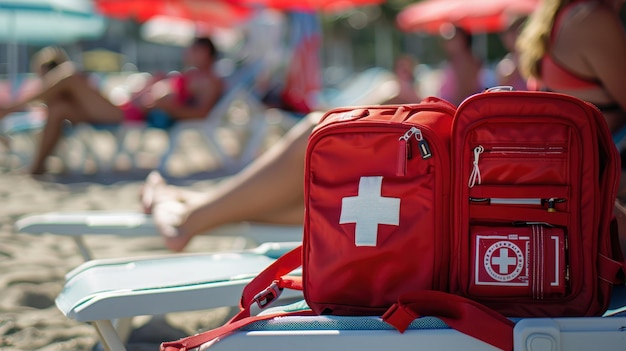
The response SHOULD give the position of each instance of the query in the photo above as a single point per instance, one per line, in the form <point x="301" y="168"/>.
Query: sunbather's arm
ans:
<point x="20" y="105"/>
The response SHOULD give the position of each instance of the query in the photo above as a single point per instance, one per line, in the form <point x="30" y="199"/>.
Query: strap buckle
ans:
<point x="265" y="297"/>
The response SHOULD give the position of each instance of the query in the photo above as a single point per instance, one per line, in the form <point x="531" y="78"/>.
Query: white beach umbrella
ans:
<point x="45" y="22"/>
<point x="48" y="21"/>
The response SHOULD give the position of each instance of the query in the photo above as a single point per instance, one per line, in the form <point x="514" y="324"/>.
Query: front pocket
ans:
<point x="508" y="204"/>
<point x="528" y="261"/>
<point x="510" y="164"/>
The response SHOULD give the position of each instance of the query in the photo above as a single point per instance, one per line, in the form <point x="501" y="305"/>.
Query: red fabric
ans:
<point x="132" y="112"/>
<point x="303" y="80"/>
<point x="464" y="315"/>
<point x="340" y="277"/>
<point x="551" y="146"/>
<point x="179" y="88"/>
<point x="556" y="77"/>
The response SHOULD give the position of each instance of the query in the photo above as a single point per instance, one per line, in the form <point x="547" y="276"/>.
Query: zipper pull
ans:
<point x="422" y="145"/>
<point x="475" y="175"/>
<point x="405" y="151"/>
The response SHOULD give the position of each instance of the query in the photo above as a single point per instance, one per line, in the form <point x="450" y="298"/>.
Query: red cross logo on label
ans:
<point x="504" y="261"/>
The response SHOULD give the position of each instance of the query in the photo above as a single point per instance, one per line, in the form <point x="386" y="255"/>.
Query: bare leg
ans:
<point x="76" y="91"/>
<point x="73" y="99"/>
<point x="289" y="215"/>
<point x="155" y="190"/>
<point x="58" y="111"/>
<point x="268" y="190"/>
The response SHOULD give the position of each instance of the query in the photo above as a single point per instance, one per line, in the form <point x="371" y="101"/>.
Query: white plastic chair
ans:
<point x="113" y="291"/>
<point x="16" y="125"/>
<point x="134" y="224"/>
<point x="103" y="291"/>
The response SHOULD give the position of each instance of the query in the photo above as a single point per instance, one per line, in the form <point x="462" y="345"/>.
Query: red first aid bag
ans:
<point x="535" y="176"/>
<point x="377" y="202"/>
<point x="505" y="202"/>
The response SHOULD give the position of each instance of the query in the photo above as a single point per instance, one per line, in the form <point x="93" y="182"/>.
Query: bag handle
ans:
<point x="262" y="290"/>
<point x="464" y="315"/>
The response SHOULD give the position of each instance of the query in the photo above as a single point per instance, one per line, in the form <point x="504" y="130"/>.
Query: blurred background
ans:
<point x="149" y="36"/>
<point x="312" y="54"/>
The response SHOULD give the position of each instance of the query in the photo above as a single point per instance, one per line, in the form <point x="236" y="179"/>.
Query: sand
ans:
<point x="32" y="267"/>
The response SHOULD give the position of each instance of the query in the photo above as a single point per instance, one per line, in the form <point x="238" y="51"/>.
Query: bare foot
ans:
<point x="148" y="190"/>
<point x="156" y="190"/>
<point x="168" y="217"/>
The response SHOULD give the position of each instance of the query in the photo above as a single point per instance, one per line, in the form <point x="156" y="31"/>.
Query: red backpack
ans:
<point x="535" y="177"/>
<point x="506" y="202"/>
<point x="377" y="202"/>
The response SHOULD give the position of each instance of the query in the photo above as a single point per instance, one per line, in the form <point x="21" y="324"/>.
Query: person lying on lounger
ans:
<point x="68" y="95"/>
<point x="270" y="190"/>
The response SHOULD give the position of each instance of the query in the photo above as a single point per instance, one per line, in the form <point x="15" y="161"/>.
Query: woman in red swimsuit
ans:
<point x="579" y="48"/>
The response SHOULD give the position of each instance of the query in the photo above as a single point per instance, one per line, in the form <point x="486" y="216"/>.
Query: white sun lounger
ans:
<point x="133" y="224"/>
<point x="101" y="291"/>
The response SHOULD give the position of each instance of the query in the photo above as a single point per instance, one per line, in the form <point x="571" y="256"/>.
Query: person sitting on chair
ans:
<point x="68" y="95"/>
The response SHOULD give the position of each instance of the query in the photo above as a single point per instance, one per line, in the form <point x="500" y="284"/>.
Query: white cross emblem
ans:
<point x="368" y="210"/>
<point x="504" y="261"/>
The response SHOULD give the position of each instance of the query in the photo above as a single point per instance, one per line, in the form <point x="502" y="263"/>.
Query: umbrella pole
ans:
<point x="481" y="46"/>
<point x="12" y="56"/>
<point x="383" y="45"/>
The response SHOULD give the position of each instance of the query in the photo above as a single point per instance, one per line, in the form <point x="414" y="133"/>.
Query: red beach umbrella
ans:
<point x="309" y="5"/>
<point x="474" y="16"/>
<point x="216" y="12"/>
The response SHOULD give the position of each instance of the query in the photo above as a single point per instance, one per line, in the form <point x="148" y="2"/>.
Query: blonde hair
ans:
<point x="532" y="44"/>
<point x="48" y="58"/>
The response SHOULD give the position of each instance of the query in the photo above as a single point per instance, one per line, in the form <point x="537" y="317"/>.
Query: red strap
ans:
<point x="464" y="315"/>
<point x="291" y="282"/>
<point x="266" y="286"/>
<point x="263" y="289"/>
<point x="197" y="340"/>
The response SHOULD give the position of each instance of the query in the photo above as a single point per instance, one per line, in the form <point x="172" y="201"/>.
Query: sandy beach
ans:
<point x="32" y="268"/>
